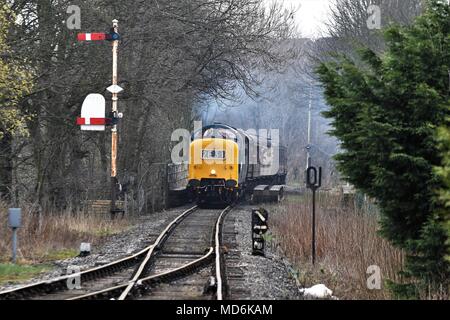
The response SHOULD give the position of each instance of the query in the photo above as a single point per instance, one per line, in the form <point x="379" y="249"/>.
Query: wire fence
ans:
<point x="153" y="189"/>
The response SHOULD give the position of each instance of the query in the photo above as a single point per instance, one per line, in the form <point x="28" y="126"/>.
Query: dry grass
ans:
<point x="347" y="244"/>
<point x="54" y="236"/>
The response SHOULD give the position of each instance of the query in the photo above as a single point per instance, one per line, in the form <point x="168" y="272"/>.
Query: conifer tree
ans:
<point x="386" y="109"/>
<point x="444" y="172"/>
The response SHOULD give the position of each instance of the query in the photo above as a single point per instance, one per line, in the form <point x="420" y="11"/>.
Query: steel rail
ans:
<point x="218" y="255"/>
<point x="151" y="280"/>
<point x="136" y="284"/>
<point x="58" y="283"/>
<point x="214" y="252"/>
<point x="150" y="253"/>
<point x="60" y="280"/>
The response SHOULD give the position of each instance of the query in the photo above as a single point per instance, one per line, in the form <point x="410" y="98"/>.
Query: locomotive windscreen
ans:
<point x="215" y="132"/>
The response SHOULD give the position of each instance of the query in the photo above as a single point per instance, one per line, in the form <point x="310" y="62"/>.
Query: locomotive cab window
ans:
<point x="215" y="133"/>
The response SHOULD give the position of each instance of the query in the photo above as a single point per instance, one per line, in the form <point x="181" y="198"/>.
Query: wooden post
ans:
<point x="114" y="137"/>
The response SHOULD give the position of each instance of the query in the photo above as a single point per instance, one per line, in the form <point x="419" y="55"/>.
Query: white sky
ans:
<point x="310" y="16"/>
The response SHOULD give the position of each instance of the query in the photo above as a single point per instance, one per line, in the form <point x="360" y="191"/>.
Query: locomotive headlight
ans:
<point x="213" y="172"/>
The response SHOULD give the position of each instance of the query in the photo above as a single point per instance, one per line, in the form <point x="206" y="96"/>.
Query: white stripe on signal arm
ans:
<point x="260" y="216"/>
<point x="88" y="37"/>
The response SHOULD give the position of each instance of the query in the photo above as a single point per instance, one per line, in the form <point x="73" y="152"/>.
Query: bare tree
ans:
<point x="173" y="54"/>
<point x="349" y="24"/>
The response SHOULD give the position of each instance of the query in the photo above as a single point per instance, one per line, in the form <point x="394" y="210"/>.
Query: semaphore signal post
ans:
<point x="92" y="106"/>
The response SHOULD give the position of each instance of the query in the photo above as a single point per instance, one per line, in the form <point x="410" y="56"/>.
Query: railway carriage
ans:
<point x="225" y="163"/>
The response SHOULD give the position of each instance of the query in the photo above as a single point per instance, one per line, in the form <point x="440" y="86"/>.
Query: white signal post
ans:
<point x="114" y="137"/>
<point x="94" y="123"/>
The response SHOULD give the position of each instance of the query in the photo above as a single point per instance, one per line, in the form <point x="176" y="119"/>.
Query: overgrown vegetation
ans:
<point x="347" y="244"/>
<point x="385" y="109"/>
<point x="53" y="236"/>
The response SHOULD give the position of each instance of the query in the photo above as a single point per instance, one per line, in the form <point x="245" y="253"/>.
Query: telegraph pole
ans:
<point x="313" y="177"/>
<point x="308" y="147"/>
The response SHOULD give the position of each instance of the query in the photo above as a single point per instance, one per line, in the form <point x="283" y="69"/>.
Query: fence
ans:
<point x="156" y="187"/>
<point x="177" y="176"/>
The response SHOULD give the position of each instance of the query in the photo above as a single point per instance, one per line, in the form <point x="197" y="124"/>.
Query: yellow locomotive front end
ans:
<point x="214" y="169"/>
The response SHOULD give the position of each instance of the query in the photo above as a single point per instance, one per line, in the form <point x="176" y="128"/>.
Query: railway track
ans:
<point x="185" y="262"/>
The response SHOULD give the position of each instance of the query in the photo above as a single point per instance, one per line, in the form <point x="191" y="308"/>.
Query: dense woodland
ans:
<point x="382" y="94"/>
<point x="173" y="55"/>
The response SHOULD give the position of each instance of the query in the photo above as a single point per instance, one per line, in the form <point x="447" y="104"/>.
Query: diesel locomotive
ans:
<point x="226" y="163"/>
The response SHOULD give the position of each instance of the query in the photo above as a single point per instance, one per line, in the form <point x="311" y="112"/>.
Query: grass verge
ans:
<point x="50" y="236"/>
<point x="16" y="273"/>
